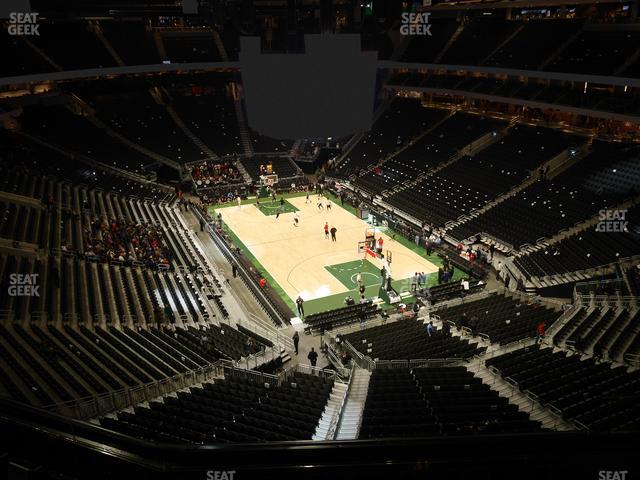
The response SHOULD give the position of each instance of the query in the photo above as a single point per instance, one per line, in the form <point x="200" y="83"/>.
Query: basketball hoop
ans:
<point x="269" y="180"/>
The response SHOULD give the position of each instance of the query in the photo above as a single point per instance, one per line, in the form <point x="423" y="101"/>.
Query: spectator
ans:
<point x="299" y="304"/>
<point x="313" y="357"/>
<point x="541" y="332"/>
<point x="464" y="322"/>
<point x="168" y="314"/>
<point x="473" y="325"/>
<point x="296" y="341"/>
<point x="431" y="328"/>
<point x="446" y="328"/>
<point x="345" y="358"/>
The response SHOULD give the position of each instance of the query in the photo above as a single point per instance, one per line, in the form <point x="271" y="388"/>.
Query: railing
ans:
<point x="7" y="315"/>
<point x="594" y="286"/>
<point x="255" y="360"/>
<point x="337" y="364"/>
<point x="335" y="421"/>
<point x="606" y="300"/>
<point x="220" y="242"/>
<point x="413" y="363"/>
<point x="260" y="377"/>
<point x="103" y="404"/>
<point x="579" y="425"/>
<point x="309" y="370"/>
<point x="469" y="298"/>
<point x="632" y="359"/>
<point x="532" y="397"/>
<point x="273" y="335"/>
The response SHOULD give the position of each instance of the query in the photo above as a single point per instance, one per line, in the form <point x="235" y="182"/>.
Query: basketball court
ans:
<point x="303" y="262"/>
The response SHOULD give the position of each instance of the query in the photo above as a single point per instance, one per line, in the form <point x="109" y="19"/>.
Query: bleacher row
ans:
<point x="23" y="162"/>
<point x="47" y="364"/>
<point x="284" y="167"/>
<point x="564" y="45"/>
<point x="606" y="332"/>
<point x="408" y="339"/>
<point x="471" y="182"/>
<point x="599" y="396"/>
<point x="528" y="45"/>
<point x="236" y="409"/>
<point x="451" y="290"/>
<point x="133" y="125"/>
<point x="529" y="89"/>
<point x="591" y="248"/>
<point x="437" y="401"/>
<point x="341" y="316"/>
<point x="502" y="318"/>
<point x="413" y="182"/>
<point x="438" y="145"/>
<point x="546" y="207"/>
<point x="153" y="260"/>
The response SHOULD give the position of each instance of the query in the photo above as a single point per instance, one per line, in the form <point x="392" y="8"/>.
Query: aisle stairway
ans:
<point x="331" y="412"/>
<point x="349" y="426"/>
<point x="242" y="125"/>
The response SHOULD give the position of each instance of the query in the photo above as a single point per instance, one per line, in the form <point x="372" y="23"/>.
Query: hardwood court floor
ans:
<point x="296" y="257"/>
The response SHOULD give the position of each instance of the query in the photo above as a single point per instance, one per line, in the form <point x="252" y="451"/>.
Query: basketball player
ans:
<point x="328" y="205"/>
<point x="307" y="200"/>
<point x="295" y="219"/>
<point x="320" y="206"/>
<point x="278" y="212"/>
<point x="326" y="230"/>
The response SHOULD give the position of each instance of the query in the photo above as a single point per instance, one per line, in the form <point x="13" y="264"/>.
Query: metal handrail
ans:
<point x="632" y="358"/>
<point x="274" y="336"/>
<point x="335" y="421"/>
<point x="310" y="370"/>
<point x="102" y="404"/>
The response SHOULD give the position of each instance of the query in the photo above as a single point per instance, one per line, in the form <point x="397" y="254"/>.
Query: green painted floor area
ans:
<point x="271" y="208"/>
<point x="347" y="273"/>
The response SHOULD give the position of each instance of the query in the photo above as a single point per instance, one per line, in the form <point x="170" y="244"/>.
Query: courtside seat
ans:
<point x="341" y="316"/>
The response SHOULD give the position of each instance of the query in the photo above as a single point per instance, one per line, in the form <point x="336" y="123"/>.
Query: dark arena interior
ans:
<point x="319" y="239"/>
